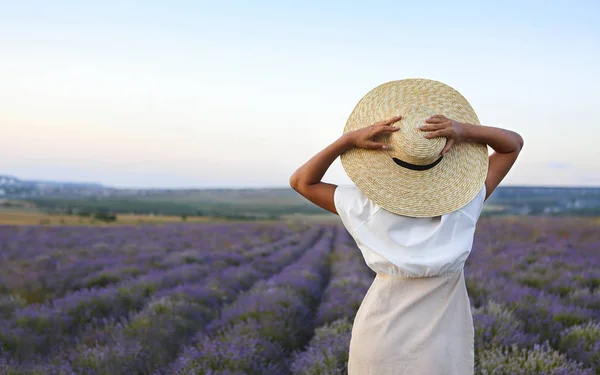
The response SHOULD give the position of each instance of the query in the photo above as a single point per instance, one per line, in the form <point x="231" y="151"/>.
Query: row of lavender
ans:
<point x="535" y="293"/>
<point x="40" y="327"/>
<point x="327" y="352"/>
<point x="44" y="263"/>
<point x="534" y="286"/>
<point x="257" y="333"/>
<point x="535" y="290"/>
<point x="85" y="320"/>
<point x="264" y="330"/>
<point x="152" y="338"/>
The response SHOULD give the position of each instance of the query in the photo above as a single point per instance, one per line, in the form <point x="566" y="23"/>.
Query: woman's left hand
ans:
<point x="363" y="138"/>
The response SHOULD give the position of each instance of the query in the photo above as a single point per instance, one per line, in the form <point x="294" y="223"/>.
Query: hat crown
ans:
<point x="409" y="144"/>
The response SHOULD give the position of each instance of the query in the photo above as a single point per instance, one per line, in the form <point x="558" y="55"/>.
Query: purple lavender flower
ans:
<point x="582" y="342"/>
<point x="264" y="298"/>
<point x="542" y="359"/>
<point x="496" y="325"/>
<point x="327" y="352"/>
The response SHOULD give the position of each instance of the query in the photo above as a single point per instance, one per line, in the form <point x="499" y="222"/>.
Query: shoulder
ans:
<point x="473" y="209"/>
<point x="353" y="207"/>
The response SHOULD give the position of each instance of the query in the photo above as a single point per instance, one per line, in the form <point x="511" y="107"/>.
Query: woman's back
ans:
<point x="401" y="245"/>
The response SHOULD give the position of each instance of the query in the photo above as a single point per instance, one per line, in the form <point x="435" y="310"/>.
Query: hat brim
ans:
<point x="448" y="186"/>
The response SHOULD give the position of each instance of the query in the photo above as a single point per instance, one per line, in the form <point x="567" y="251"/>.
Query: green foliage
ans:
<point x="105" y="209"/>
<point x="105" y="216"/>
<point x="328" y="358"/>
<point x="8" y="304"/>
<point x="102" y="280"/>
<point x="582" y="342"/>
<point x="503" y="324"/>
<point x="541" y="360"/>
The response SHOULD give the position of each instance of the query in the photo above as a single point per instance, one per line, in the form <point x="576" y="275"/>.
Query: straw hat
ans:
<point x="411" y="178"/>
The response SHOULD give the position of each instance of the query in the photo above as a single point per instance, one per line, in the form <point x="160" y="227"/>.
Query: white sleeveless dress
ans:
<point x="415" y="319"/>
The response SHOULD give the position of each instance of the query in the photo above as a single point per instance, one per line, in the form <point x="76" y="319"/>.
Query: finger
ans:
<point x="435" y="120"/>
<point x="449" y="144"/>
<point x="388" y="121"/>
<point x="386" y="129"/>
<point x="432" y="127"/>
<point x="376" y="145"/>
<point x="438" y="133"/>
<point x="392" y="120"/>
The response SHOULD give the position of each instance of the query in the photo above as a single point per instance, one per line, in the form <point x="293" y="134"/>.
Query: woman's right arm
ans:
<point x="506" y="144"/>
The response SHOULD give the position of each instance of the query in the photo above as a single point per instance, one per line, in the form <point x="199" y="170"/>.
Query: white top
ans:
<point x="401" y="245"/>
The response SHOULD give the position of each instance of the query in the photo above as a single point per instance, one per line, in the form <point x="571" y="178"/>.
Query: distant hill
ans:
<point x="13" y="187"/>
<point x="252" y="203"/>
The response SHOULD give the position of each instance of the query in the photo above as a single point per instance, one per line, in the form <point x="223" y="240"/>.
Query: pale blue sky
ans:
<point x="232" y="93"/>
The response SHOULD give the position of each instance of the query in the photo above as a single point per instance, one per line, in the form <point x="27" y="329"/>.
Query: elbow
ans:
<point x="519" y="142"/>
<point x="298" y="184"/>
<point x="295" y="182"/>
<point x="515" y="141"/>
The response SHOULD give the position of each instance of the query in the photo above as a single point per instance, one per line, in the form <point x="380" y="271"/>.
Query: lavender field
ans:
<point x="264" y="298"/>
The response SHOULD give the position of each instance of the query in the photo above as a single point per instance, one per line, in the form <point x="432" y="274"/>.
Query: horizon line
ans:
<point x="259" y="187"/>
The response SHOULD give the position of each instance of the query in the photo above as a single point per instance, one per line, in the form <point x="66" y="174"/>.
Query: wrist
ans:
<point x="346" y="141"/>
<point x="468" y="132"/>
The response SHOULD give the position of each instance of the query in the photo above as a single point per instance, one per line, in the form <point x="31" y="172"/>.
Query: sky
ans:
<point x="241" y="93"/>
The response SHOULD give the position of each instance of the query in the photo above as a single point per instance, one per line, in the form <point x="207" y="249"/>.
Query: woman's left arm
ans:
<point x="307" y="179"/>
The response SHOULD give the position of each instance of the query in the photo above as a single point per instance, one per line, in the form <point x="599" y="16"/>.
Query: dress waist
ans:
<point x="404" y="275"/>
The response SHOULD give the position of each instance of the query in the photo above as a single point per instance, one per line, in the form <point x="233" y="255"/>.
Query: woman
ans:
<point x="420" y="164"/>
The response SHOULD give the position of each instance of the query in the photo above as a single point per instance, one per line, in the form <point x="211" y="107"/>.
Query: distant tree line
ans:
<point x="107" y="209"/>
<point x="101" y="215"/>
